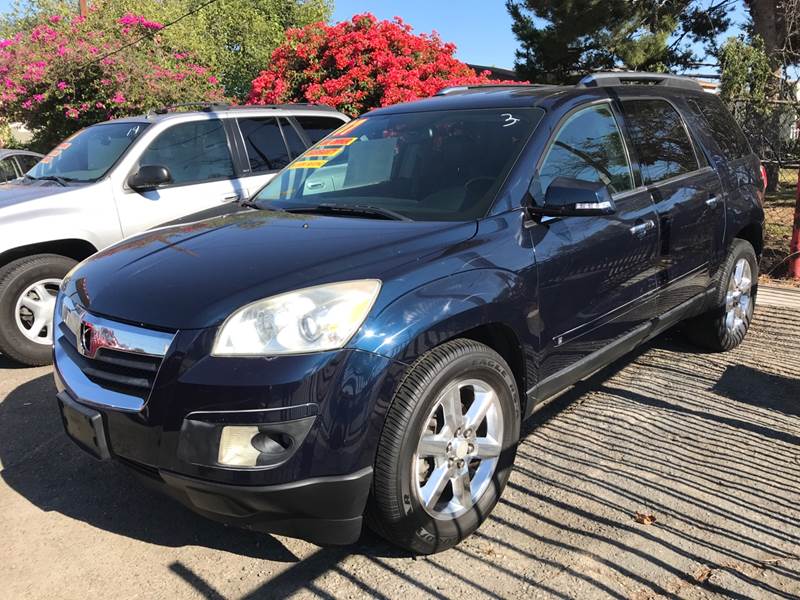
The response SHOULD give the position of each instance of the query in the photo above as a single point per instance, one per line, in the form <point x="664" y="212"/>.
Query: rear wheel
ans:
<point x="447" y="448"/>
<point x="725" y="327"/>
<point x="28" y="289"/>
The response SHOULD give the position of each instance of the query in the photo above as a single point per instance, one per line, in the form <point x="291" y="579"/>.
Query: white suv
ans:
<point x="118" y="178"/>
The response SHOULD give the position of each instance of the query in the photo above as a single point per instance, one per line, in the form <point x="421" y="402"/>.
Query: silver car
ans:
<point x="121" y="177"/>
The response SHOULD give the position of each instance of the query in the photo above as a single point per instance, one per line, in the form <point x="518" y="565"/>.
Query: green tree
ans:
<point x="563" y="39"/>
<point x="233" y="38"/>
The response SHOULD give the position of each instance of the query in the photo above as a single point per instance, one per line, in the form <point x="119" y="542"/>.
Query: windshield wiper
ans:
<point x="58" y="179"/>
<point x="362" y="210"/>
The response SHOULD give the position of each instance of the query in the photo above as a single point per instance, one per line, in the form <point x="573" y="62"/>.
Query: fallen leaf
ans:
<point x="702" y="574"/>
<point x="644" y="519"/>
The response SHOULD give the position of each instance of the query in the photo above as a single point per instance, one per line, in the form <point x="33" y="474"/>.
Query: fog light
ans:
<point x="236" y="447"/>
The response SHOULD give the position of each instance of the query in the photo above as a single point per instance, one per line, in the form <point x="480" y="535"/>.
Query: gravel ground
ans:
<point x="670" y="474"/>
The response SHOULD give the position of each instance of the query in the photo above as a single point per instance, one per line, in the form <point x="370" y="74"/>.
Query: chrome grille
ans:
<point x="105" y="362"/>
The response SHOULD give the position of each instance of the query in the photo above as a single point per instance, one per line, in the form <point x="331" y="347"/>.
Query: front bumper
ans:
<point x="318" y="492"/>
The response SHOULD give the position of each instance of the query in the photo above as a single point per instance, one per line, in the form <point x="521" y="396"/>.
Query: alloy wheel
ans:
<point x="459" y="448"/>
<point x="739" y="296"/>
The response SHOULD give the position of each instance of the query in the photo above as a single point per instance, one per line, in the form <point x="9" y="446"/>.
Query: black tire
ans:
<point x="710" y="330"/>
<point x="15" y="278"/>
<point x="395" y="511"/>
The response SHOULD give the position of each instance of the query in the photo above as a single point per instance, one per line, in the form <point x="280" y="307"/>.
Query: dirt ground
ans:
<point x="672" y="474"/>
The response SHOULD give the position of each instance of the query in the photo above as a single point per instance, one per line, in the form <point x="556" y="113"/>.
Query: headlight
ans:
<point x="314" y="319"/>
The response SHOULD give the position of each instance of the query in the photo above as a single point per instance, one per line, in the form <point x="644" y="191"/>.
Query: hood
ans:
<point x="14" y="193"/>
<point x="194" y="276"/>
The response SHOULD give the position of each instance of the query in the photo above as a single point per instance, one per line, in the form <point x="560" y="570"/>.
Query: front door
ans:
<point x="687" y="193"/>
<point x="596" y="274"/>
<point x="198" y="157"/>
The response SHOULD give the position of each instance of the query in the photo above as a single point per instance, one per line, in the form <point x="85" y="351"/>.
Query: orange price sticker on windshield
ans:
<point x="347" y="127"/>
<point x="326" y="152"/>
<point x="307" y="164"/>
<point x="338" y="141"/>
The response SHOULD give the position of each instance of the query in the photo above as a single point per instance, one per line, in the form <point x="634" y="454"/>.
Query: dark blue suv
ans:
<point x="363" y="343"/>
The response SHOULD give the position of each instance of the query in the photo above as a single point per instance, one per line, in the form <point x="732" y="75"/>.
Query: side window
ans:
<point x="660" y="140"/>
<point x="296" y="145"/>
<point x="723" y="127"/>
<point x="589" y="147"/>
<point x="7" y="170"/>
<point x="266" y="149"/>
<point x="193" y="152"/>
<point x="317" y="128"/>
<point x="26" y="162"/>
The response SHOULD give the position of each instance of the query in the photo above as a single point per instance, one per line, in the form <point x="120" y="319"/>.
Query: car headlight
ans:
<point x="313" y="319"/>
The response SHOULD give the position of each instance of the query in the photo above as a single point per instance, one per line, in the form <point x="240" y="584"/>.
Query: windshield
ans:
<point x="425" y="166"/>
<point x="89" y="154"/>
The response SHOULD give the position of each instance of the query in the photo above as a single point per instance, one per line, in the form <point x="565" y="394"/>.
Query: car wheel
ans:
<point x="724" y="327"/>
<point x="28" y="289"/>
<point x="446" y="449"/>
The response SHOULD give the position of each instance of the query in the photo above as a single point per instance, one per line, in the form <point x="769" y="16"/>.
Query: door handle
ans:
<point x="712" y="202"/>
<point x="640" y="230"/>
<point x="231" y="198"/>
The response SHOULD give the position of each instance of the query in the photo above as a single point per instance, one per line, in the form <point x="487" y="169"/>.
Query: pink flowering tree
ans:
<point x="360" y="64"/>
<point x="66" y="73"/>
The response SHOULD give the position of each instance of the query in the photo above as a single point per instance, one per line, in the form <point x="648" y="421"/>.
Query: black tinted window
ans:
<point x="7" y="171"/>
<point x="317" y="128"/>
<point x="430" y="166"/>
<point x="588" y="146"/>
<point x="660" y="139"/>
<point x="264" y="142"/>
<point x="193" y="152"/>
<point x="723" y="128"/>
<point x="26" y="162"/>
<point x="296" y="146"/>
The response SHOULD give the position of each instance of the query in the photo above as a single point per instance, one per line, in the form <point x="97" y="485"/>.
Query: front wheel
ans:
<point x="447" y="447"/>
<point x="725" y="327"/>
<point x="28" y="289"/>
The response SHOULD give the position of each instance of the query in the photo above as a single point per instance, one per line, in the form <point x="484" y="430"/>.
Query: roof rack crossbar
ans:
<point x="457" y="89"/>
<point x="221" y="106"/>
<point x="635" y="77"/>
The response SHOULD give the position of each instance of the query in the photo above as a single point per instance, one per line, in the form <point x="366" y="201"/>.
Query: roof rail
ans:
<point x="221" y="106"/>
<point x="636" y="78"/>
<point x="458" y="89"/>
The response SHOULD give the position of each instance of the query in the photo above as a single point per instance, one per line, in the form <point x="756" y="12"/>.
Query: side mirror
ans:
<point x="568" y="197"/>
<point x="149" y="177"/>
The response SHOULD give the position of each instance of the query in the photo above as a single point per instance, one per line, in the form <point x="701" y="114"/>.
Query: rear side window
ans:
<point x="266" y="149"/>
<point x="26" y="162"/>
<point x="588" y="146"/>
<point x="722" y="126"/>
<point x="317" y="128"/>
<point x="296" y="145"/>
<point x="193" y="152"/>
<point x="660" y="140"/>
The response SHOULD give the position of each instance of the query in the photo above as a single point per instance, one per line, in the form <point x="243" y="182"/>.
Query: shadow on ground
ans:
<point x="671" y="473"/>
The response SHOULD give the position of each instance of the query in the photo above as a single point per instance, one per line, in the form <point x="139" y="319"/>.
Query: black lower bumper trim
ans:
<point x="324" y="510"/>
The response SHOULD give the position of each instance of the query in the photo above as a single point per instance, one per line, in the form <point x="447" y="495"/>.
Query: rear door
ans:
<point x="597" y="273"/>
<point x="687" y="194"/>
<point x="198" y="156"/>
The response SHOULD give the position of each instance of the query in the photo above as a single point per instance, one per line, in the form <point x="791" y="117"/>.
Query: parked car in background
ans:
<point x="118" y="178"/>
<point x="365" y="346"/>
<point x="15" y="163"/>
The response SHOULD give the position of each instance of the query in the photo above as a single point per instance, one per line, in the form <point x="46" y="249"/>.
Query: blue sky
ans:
<point x="481" y="29"/>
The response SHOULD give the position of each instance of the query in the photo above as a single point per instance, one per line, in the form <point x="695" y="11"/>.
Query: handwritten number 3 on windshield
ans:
<point x="509" y="119"/>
